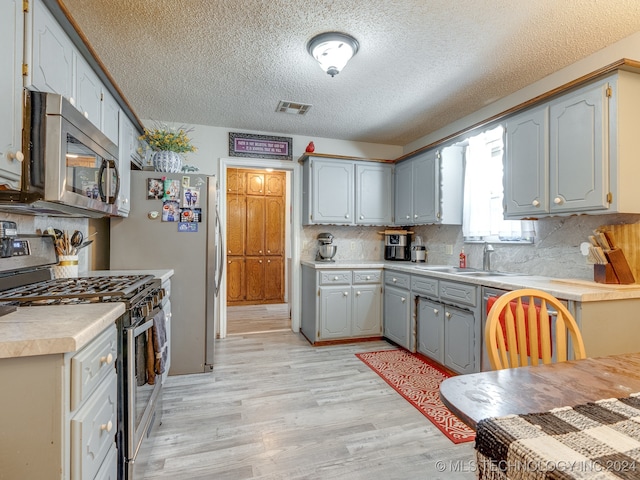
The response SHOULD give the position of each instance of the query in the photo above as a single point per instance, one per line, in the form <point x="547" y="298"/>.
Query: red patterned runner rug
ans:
<point x="419" y="383"/>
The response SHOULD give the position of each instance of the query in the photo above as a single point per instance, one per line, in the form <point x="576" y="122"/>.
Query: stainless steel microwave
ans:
<point x="69" y="167"/>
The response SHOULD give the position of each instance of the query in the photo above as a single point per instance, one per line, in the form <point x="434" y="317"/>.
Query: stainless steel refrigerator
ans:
<point x="173" y="223"/>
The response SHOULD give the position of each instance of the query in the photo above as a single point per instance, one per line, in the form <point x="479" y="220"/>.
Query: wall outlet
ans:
<point x="448" y="249"/>
<point x="353" y="246"/>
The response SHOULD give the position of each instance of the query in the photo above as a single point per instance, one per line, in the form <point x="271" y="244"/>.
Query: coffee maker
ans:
<point x="396" y="245"/>
<point x="326" y="248"/>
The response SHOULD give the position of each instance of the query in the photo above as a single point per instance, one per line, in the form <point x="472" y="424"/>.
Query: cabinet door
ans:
<point x="274" y="279"/>
<point x="235" y="279"/>
<point x="459" y="337"/>
<point x="255" y="225"/>
<point x="426" y="188"/>
<point x="431" y="329"/>
<point x="335" y="312"/>
<point x="526" y="164"/>
<point x="579" y="161"/>
<point x="274" y="225"/>
<point x="403" y="185"/>
<point x="236" y="227"/>
<point x="332" y="191"/>
<point x="367" y="310"/>
<point x="275" y="184"/>
<point x="373" y="194"/>
<point x="11" y="36"/>
<point x="52" y="54"/>
<point x="255" y="183"/>
<point x="397" y="315"/>
<point x="235" y="181"/>
<point x="88" y="92"/>
<point x="110" y="116"/>
<point x="254" y="276"/>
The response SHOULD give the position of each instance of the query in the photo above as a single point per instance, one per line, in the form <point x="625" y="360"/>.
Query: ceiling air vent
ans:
<point x="292" y="107"/>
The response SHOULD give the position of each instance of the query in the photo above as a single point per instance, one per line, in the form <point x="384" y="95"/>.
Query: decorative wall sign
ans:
<point x="259" y="146"/>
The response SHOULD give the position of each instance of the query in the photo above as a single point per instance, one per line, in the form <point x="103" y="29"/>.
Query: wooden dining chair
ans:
<point x="520" y="330"/>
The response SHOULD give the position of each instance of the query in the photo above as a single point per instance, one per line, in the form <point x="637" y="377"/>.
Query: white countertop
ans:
<point x="54" y="329"/>
<point x="163" y="275"/>
<point x="566" y="289"/>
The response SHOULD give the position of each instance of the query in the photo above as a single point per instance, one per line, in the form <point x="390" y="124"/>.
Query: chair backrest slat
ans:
<point x="519" y="330"/>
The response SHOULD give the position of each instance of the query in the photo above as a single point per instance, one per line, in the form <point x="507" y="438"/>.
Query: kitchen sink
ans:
<point x="467" y="272"/>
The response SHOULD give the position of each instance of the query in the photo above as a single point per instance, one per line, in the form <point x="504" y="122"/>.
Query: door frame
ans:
<point x="295" y="201"/>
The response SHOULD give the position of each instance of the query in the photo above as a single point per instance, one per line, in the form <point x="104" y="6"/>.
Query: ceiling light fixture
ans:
<point x="332" y="50"/>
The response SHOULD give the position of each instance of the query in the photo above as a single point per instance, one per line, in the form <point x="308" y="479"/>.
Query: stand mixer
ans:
<point x="326" y="248"/>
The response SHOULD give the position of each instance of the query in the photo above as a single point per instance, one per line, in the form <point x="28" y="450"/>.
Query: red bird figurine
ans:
<point x="311" y="147"/>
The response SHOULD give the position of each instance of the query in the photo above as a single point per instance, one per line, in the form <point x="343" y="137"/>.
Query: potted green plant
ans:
<point x="168" y="145"/>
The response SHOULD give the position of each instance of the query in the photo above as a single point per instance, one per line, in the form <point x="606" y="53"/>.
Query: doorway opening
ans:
<point x="256" y="201"/>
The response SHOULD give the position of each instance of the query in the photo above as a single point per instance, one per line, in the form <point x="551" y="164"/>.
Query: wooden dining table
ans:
<point x="522" y="390"/>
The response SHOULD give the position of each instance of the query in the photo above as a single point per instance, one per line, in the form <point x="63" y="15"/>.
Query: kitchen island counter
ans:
<point x="567" y="289"/>
<point x="54" y="329"/>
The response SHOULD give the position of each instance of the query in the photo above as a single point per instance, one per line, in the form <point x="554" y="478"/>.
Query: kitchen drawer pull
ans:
<point x="394" y="279"/>
<point x="107" y="426"/>
<point x="558" y="201"/>
<point x="346" y="216"/>
<point x="368" y="277"/>
<point x="346" y="294"/>
<point x="403" y="299"/>
<point x="336" y="278"/>
<point x="108" y="359"/>
<point x="259" y="261"/>
<point x="535" y="203"/>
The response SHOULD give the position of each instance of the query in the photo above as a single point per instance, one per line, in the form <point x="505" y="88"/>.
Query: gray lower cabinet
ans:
<point x="341" y="304"/>
<point x="448" y="322"/>
<point x="397" y="308"/>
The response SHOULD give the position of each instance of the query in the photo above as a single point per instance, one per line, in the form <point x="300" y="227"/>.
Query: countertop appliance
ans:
<point x="326" y="249"/>
<point x="26" y="280"/>
<point x="70" y="166"/>
<point x="147" y="240"/>
<point x="396" y="245"/>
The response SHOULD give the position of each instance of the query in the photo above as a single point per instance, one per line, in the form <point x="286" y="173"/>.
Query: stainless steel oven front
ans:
<point x="142" y="387"/>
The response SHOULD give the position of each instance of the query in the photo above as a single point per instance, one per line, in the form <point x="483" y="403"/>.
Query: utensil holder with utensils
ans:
<point x="67" y="267"/>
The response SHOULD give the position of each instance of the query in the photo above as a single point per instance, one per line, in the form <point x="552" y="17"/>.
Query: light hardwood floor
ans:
<point x="258" y="319"/>
<point x="275" y="407"/>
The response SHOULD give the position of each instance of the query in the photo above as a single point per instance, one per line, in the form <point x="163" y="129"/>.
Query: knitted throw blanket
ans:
<point x="598" y="440"/>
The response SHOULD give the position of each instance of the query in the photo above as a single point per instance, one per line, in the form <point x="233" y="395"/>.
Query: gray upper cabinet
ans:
<point x="346" y="192"/>
<point x="11" y="37"/>
<point x="417" y="194"/>
<point x="527" y="163"/>
<point x="575" y="153"/>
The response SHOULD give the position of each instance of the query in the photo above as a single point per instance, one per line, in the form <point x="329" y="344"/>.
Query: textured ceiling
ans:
<point x="421" y="65"/>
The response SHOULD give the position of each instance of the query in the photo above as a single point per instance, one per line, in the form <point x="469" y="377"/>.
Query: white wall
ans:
<point x="213" y="143"/>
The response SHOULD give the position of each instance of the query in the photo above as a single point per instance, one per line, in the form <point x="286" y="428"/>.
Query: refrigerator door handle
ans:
<point x="220" y="249"/>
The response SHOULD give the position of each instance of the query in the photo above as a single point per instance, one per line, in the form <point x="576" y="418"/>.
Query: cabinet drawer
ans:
<point x="459" y="293"/>
<point x="109" y="468"/>
<point x="367" y="276"/>
<point x="335" y="277"/>
<point x="400" y="280"/>
<point x="91" y="365"/>
<point x="93" y="430"/>
<point x="424" y="286"/>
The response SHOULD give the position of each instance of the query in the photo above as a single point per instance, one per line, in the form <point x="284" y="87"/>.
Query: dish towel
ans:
<point x="160" y="348"/>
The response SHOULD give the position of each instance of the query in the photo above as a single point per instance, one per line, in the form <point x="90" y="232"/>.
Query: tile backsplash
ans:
<point x="555" y="253"/>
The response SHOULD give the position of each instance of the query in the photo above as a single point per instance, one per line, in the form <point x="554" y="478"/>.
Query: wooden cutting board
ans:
<point x="627" y="238"/>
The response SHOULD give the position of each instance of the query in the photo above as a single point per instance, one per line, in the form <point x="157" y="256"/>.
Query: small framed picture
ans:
<point x="155" y="188"/>
<point x="171" y="189"/>
<point x="170" y="211"/>
<point x="191" y="197"/>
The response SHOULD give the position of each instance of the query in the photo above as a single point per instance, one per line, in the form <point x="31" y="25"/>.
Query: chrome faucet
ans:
<point x="486" y="256"/>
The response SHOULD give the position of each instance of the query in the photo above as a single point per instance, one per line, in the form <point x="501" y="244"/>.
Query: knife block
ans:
<point x="604" y="273"/>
